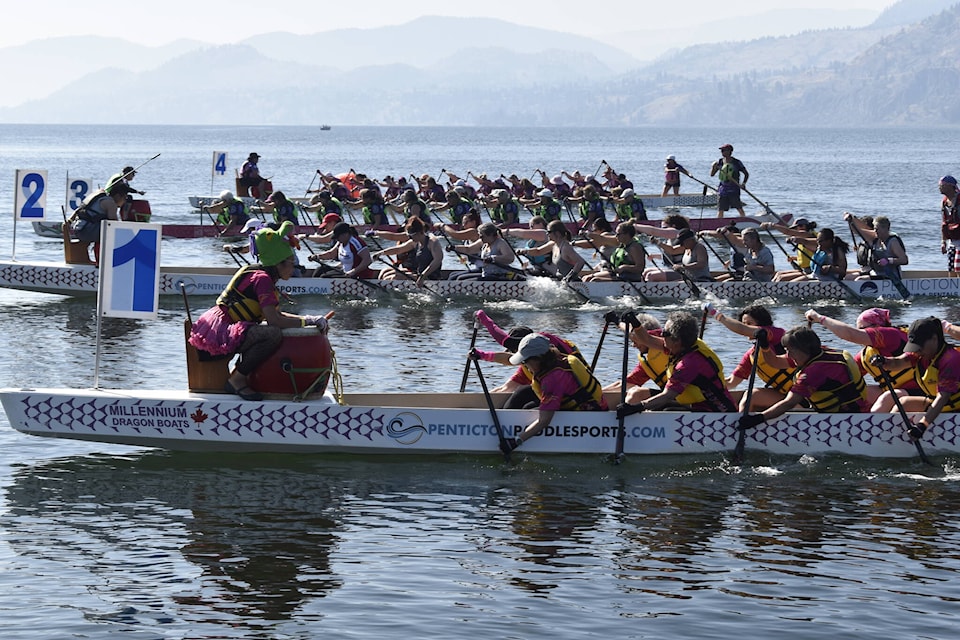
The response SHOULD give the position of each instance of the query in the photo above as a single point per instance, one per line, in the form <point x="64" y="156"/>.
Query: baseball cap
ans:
<point x="329" y="219"/>
<point x="922" y="330"/>
<point x="531" y="346"/>
<point x="949" y="180"/>
<point x="800" y="222"/>
<point x="726" y="146"/>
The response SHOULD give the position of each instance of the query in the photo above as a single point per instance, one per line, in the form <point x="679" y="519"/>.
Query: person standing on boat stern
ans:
<point x="729" y="170"/>
<point x="250" y="177"/>
<point x="671" y="175"/>
<point x="235" y="325"/>
<point x="936" y="363"/>
<point x="950" y="223"/>
<point x="561" y="382"/>
<point x="694" y="373"/>
<point x="829" y="380"/>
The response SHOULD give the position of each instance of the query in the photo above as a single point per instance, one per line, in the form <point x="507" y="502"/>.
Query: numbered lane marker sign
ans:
<point x="77" y="191"/>
<point x="219" y="163"/>
<point x="130" y="270"/>
<point x="30" y="201"/>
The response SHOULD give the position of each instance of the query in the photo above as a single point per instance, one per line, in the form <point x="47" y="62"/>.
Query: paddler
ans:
<point x="694" y="373"/>
<point x="247" y="317"/>
<point x="560" y="382"/>
<point x="828" y="380"/>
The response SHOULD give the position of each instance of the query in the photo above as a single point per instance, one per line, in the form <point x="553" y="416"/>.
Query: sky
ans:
<point x="155" y="23"/>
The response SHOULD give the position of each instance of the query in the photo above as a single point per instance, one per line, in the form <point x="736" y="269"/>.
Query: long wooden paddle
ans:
<point x="466" y="366"/>
<point x="742" y="436"/>
<point x="504" y="446"/>
<point x="621" y="429"/>
<point x="888" y="383"/>
<point x="603" y="334"/>
<point x="765" y="206"/>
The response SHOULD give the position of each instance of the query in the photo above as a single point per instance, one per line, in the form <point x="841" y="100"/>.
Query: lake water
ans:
<point x="102" y="541"/>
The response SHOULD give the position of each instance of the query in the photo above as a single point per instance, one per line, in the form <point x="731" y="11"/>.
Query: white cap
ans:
<point x="626" y="193"/>
<point x="226" y="195"/>
<point x="545" y="193"/>
<point x="672" y="157"/>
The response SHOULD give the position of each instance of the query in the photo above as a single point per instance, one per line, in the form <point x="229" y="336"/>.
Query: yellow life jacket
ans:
<point x="929" y="378"/>
<point x="838" y="395"/>
<point x="780" y="380"/>
<point x="654" y="363"/>
<point x="589" y="397"/>
<point x="241" y="304"/>
<point x="900" y="379"/>
<point x="705" y="389"/>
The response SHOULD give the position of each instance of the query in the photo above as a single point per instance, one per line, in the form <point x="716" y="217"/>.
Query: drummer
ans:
<point x="247" y="319"/>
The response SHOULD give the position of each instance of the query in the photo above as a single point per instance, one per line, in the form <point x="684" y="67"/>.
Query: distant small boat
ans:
<point x="324" y="127"/>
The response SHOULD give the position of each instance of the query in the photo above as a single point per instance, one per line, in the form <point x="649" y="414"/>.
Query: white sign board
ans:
<point x="130" y="269"/>
<point x="30" y="201"/>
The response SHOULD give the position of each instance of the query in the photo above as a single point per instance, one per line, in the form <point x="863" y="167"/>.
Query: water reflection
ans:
<point x="259" y="537"/>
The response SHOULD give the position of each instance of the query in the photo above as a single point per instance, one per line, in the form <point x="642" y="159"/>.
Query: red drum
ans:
<point x="301" y="366"/>
<point x="255" y="191"/>
<point x="136" y="211"/>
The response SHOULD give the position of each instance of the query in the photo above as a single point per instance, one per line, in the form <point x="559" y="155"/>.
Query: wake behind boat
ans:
<point x="434" y="423"/>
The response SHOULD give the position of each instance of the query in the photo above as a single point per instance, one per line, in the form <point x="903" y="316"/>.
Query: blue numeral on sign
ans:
<point x="32" y="186"/>
<point x="220" y="164"/>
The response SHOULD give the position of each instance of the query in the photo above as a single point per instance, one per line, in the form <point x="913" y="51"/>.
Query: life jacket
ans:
<point x="241" y="304"/>
<point x="589" y="395"/>
<point x="929" y="377"/>
<point x="285" y="211"/>
<point x="621" y="255"/>
<point x="709" y="389"/>
<point x="838" y="396"/>
<point x="550" y="211"/>
<point x="507" y="213"/>
<point x="546" y="258"/>
<point x="93" y="211"/>
<point x="780" y="380"/>
<point x="655" y="363"/>
<point x="375" y="213"/>
<point x="633" y="210"/>
<point x="459" y="210"/>
<point x="594" y="207"/>
<point x="235" y="208"/>
<point x="900" y="379"/>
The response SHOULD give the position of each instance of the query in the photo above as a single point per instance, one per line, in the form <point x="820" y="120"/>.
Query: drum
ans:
<point x="300" y="367"/>
<point x="255" y="191"/>
<point x="136" y="211"/>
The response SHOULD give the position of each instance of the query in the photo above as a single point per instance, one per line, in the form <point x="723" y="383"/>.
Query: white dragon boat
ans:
<point x="81" y="279"/>
<point x="432" y="423"/>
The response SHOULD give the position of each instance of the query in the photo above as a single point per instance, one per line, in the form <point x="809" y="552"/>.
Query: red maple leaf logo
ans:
<point x="199" y="416"/>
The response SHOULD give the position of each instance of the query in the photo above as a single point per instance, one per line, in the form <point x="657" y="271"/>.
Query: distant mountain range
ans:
<point x="901" y="68"/>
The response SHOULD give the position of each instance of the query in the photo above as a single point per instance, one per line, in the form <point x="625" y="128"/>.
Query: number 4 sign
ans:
<point x="30" y="201"/>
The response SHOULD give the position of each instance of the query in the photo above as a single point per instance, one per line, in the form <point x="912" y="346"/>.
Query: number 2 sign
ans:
<point x="30" y="201"/>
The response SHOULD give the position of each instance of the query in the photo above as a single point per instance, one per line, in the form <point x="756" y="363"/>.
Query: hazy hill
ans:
<point x="425" y="41"/>
<point x="510" y="75"/>
<point x="42" y="66"/>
